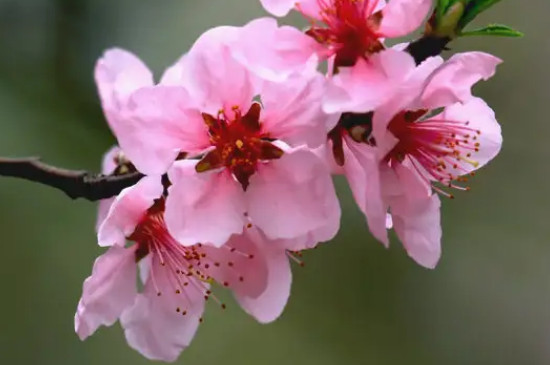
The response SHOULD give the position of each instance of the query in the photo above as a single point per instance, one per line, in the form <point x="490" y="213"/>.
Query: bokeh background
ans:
<point x="488" y="301"/>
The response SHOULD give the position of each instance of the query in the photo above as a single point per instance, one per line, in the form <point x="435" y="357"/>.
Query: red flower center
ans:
<point x="186" y="269"/>
<point x="239" y="143"/>
<point x="438" y="149"/>
<point x="349" y="30"/>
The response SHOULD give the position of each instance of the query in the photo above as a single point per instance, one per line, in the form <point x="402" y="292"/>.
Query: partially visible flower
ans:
<point x="363" y="73"/>
<point x="351" y="30"/>
<point x="354" y="29"/>
<point x="429" y="136"/>
<point x="247" y="143"/>
<point x="161" y="320"/>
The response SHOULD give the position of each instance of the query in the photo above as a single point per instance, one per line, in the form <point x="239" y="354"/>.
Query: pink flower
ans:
<point x="161" y="320"/>
<point x="247" y="143"/>
<point x="394" y="159"/>
<point x="354" y="29"/>
<point x="363" y="74"/>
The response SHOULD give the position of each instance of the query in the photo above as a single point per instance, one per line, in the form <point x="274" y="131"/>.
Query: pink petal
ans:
<point x="127" y="211"/>
<point x="177" y="75"/>
<point x="118" y="74"/>
<point x="361" y="169"/>
<point x="310" y="8"/>
<point x="414" y="178"/>
<point x="153" y="326"/>
<point x="273" y="52"/>
<point x="453" y="81"/>
<point x="368" y="84"/>
<point x="103" y="208"/>
<point x="292" y="196"/>
<point x="107" y="292"/>
<point x="247" y="274"/>
<point x="292" y="110"/>
<point x="401" y="17"/>
<point x="160" y="125"/>
<point x="417" y="224"/>
<point x="278" y="7"/>
<point x="270" y="304"/>
<point x="203" y="207"/>
<point x="108" y="167"/>
<point x="108" y="164"/>
<point x="173" y="75"/>
<point x="481" y="118"/>
<point x="213" y="77"/>
<point x="406" y="97"/>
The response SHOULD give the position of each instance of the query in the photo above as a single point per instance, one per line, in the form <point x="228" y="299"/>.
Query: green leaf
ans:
<point x="473" y="9"/>
<point x="441" y="8"/>
<point x="498" y="30"/>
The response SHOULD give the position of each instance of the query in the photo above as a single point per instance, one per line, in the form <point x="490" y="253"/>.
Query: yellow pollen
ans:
<point x="239" y="144"/>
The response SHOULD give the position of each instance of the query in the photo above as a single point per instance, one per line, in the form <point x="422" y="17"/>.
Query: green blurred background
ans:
<point x="488" y="301"/>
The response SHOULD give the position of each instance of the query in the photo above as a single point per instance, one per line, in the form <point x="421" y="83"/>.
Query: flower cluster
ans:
<point x="237" y="144"/>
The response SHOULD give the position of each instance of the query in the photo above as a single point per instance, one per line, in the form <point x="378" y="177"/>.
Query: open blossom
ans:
<point x="352" y="29"/>
<point x="246" y="141"/>
<point x="161" y="320"/>
<point x="430" y="136"/>
<point x="350" y="34"/>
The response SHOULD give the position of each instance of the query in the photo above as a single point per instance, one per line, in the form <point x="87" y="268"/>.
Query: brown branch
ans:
<point x="76" y="184"/>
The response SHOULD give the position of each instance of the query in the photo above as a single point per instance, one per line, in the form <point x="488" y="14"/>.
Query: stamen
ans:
<point x="348" y="30"/>
<point x="439" y="150"/>
<point x="295" y="259"/>
<point x="239" y="143"/>
<point x="184" y="268"/>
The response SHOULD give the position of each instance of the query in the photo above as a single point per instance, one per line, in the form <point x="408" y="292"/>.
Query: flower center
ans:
<point x="440" y="150"/>
<point x="186" y="270"/>
<point x="349" y="30"/>
<point x="239" y="144"/>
